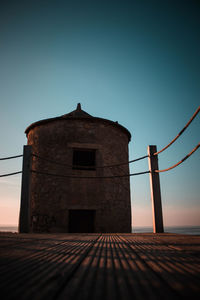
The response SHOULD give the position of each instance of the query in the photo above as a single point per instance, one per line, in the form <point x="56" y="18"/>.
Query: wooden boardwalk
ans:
<point x="94" y="266"/>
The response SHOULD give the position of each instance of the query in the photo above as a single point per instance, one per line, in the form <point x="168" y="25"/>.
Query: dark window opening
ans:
<point x="81" y="220"/>
<point x="84" y="159"/>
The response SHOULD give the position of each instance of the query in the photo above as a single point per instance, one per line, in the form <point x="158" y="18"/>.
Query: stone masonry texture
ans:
<point x="53" y="197"/>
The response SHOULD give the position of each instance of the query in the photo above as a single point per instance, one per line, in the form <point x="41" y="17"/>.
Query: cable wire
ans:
<point x="180" y="162"/>
<point x="51" y="161"/>
<point x="179" y="134"/>
<point x="11" y="157"/>
<point x="96" y="167"/>
<point x="10" y="174"/>
<point x="89" y="177"/>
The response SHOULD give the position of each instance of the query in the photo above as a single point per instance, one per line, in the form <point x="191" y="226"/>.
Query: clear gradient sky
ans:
<point x="136" y="62"/>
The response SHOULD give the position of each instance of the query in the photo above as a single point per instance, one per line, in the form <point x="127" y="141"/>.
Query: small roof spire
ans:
<point x="78" y="106"/>
<point x="77" y="113"/>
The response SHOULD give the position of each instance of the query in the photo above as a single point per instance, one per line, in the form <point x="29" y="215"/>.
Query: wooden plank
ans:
<point x="24" y="218"/>
<point x="155" y="190"/>
<point x="95" y="266"/>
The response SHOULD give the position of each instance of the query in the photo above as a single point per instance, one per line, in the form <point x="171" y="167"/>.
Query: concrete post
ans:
<point x="155" y="191"/>
<point x="24" y="217"/>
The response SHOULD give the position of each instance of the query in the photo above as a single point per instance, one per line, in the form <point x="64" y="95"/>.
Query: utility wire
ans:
<point x="96" y="167"/>
<point x="51" y="161"/>
<point x="105" y="177"/>
<point x="116" y="165"/>
<point x="89" y="177"/>
<point x="179" y="134"/>
<point x="10" y="174"/>
<point x="11" y="157"/>
<point x="180" y="162"/>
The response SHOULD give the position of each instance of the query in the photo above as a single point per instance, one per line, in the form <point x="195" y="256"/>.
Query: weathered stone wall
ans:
<point x="52" y="197"/>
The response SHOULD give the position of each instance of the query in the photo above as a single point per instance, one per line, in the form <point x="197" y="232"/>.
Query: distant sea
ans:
<point x="176" y="229"/>
<point x="8" y="228"/>
<point x="171" y="229"/>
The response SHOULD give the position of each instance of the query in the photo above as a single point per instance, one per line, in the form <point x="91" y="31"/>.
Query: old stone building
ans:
<point x="70" y="147"/>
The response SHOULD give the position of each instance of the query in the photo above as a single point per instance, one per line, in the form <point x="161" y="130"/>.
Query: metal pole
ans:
<point x="24" y="217"/>
<point x="155" y="191"/>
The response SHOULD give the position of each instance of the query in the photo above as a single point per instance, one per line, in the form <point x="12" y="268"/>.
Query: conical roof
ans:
<point x="78" y="114"/>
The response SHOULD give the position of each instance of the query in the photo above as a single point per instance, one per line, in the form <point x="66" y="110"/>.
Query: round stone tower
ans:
<point x="72" y="188"/>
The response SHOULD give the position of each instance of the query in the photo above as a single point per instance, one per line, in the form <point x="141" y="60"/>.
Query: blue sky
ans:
<point x="135" y="62"/>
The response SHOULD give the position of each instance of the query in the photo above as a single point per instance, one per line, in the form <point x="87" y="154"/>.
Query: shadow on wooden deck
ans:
<point x="95" y="266"/>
